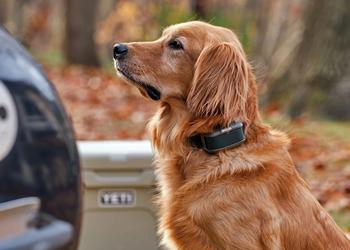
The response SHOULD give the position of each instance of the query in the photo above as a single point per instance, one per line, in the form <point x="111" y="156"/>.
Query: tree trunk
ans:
<point x="3" y="9"/>
<point x="80" y="29"/>
<point x="200" y="8"/>
<point x="17" y="13"/>
<point x="318" y="79"/>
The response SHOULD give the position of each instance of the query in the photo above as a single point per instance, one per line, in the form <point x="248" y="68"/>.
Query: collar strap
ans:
<point x="220" y="139"/>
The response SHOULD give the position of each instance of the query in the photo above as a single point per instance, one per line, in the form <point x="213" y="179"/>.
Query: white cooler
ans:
<point x="119" y="184"/>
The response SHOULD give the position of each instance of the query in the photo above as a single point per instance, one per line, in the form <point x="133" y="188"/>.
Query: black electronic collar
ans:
<point x="220" y="139"/>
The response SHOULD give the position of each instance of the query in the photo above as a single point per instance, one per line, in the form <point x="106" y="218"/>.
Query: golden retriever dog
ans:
<point x="246" y="196"/>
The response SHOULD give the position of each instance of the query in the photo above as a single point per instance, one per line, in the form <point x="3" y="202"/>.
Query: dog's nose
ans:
<point x="119" y="50"/>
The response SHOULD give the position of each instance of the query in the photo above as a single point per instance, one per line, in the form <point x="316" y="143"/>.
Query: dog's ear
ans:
<point x="220" y="83"/>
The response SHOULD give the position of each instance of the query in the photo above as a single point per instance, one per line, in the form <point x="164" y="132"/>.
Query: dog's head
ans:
<point x="202" y="65"/>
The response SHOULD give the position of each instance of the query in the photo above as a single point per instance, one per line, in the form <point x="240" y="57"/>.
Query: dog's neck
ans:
<point x="172" y="125"/>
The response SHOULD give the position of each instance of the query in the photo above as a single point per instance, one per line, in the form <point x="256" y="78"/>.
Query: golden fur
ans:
<point x="249" y="197"/>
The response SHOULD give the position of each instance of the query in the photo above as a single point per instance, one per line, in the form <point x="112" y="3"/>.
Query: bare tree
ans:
<point x="80" y="29"/>
<point x="200" y="8"/>
<point x="318" y="79"/>
<point x="15" y="14"/>
<point x="3" y="8"/>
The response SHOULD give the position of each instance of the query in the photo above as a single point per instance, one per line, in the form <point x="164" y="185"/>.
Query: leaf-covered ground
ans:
<point x="103" y="107"/>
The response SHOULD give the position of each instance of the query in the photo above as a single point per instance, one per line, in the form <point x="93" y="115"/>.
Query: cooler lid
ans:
<point x="112" y="155"/>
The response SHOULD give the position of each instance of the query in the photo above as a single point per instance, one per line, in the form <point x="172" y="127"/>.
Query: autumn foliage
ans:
<point x="280" y="38"/>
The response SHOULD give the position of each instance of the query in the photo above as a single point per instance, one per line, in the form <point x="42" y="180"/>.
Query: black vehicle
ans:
<point x="40" y="182"/>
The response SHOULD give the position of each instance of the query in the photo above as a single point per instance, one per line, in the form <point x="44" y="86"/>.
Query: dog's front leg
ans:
<point x="181" y="233"/>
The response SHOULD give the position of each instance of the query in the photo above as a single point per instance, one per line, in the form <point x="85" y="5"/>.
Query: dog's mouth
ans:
<point x="151" y="91"/>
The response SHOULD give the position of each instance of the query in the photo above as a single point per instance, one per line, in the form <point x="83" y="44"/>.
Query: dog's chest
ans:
<point x="169" y="174"/>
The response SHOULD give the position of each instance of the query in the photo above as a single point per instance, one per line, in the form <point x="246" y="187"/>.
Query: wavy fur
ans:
<point x="250" y="197"/>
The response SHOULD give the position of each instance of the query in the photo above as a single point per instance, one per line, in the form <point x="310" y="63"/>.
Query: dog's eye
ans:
<point x="175" y="44"/>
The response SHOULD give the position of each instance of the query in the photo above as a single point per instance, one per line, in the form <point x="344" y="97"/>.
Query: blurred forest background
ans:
<point x="300" y="50"/>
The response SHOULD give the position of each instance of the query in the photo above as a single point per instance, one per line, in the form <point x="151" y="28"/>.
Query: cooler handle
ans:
<point x="144" y="178"/>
